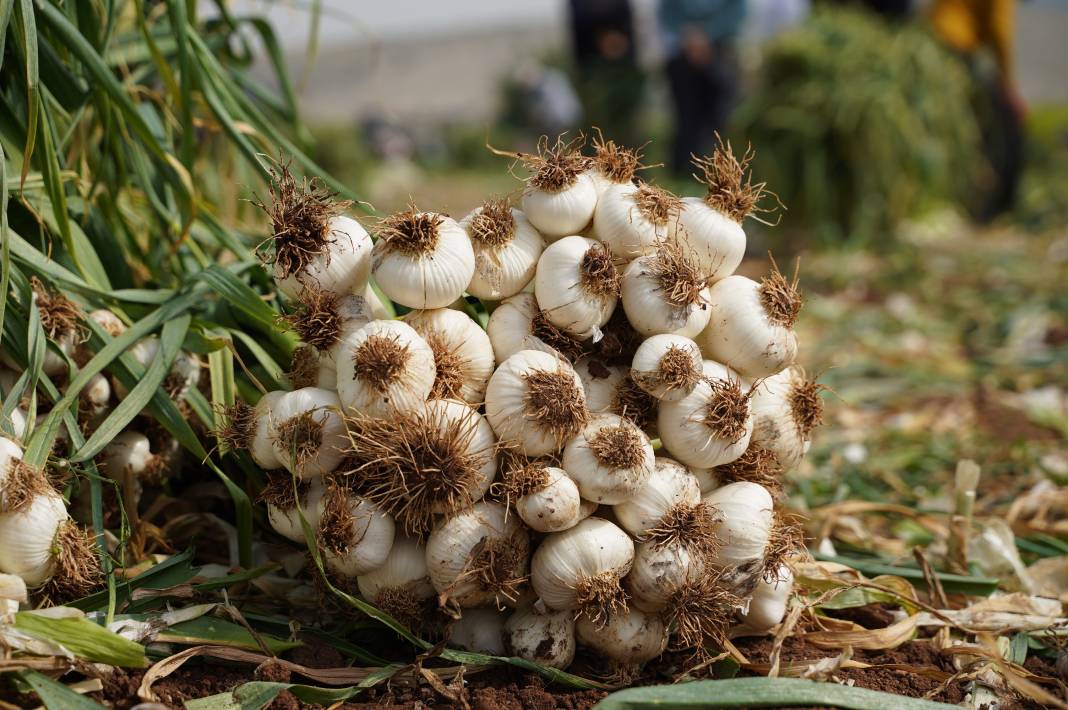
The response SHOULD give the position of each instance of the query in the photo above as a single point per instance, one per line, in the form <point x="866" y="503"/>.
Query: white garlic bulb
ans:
<point x="95" y="398"/>
<point x="479" y="631"/>
<point x="767" y="606"/>
<point x="786" y="408"/>
<point x="669" y="486"/>
<point x="258" y="432"/>
<point x="323" y="319"/>
<point x="307" y="432"/>
<point x="108" y="321"/>
<point x="340" y="263"/>
<point x="384" y="368"/>
<point x="128" y="454"/>
<point x="518" y="323"/>
<point x="581" y="568"/>
<point x="285" y="519"/>
<point x="665" y="292"/>
<point x="355" y="534"/>
<point x="506" y="246"/>
<point x="401" y="582"/>
<point x="600" y="382"/>
<point x="632" y="219"/>
<point x="29" y="537"/>
<point x="551" y="504"/>
<point x="463" y="355"/>
<point x="659" y="572"/>
<point x="535" y="401"/>
<point x="713" y="424"/>
<point x="630" y="638"/>
<point x="184" y="373"/>
<point x="577" y="285"/>
<point x="667" y="366"/>
<point x="610" y="459"/>
<point x="547" y="638"/>
<point x="422" y="259"/>
<point x="560" y="195"/>
<point x="745" y="512"/>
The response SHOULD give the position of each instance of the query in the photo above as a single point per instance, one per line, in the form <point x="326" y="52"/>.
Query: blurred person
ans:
<point x="702" y="70"/>
<point x="978" y="31"/>
<point x="607" y="75"/>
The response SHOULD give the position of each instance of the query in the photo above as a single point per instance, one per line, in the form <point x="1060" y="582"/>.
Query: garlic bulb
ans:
<point x="547" y="500"/>
<point x="311" y="368"/>
<point x="95" y="398"/>
<point x="610" y="460"/>
<point x="61" y="319"/>
<point x="613" y="164"/>
<point x="713" y="424"/>
<point x="630" y="638"/>
<point x="338" y="261"/>
<point x="184" y="373"/>
<point x="29" y="535"/>
<point x="665" y="292"/>
<point x="307" y="432"/>
<point x="323" y="318"/>
<point x="249" y="428"/>
<point x="20" y="483"/>
<point x="478" y="557"/>
<point x="535" y="401"/>
<point x="547" y="638"/>
<point x="400" y="586"/>
<point x="129" y="454"/>
<point x="355" y="534"/>
<point x="560" y="196"/>
<point x="519" y="324"/>
<point x="577" y="286"/>
<point x="108" y="321"/>
<point x="669" y="486"/>
<point x="284" y="509"/>
<point x="463" y="355"/>
<point x="506" y="248"/>
<point x="479" y="631"/>
<point x="600" y="382"/>
<point x="632" y="219"/>
<point x="786" y="408"/>
<point x="751" y="328"/>
<point x="422" y="259"/>
<point x="767" y="606"/>
<point x="581" y="568"/>
<point x="384" y="368"/>
<point x="667" y="366"/>
<point x="659" y="572"/>
<point x="745" y="512"/>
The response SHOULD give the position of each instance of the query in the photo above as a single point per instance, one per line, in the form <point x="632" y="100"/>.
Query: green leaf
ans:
<point x="26" y="40"/>
<point x="210" y="630"/>
<point x="84" y="638"/>
<point x="54" y="695"/>
<point x="169" y="573"/>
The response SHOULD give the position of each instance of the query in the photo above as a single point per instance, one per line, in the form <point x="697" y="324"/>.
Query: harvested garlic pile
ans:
<point x="597" y="466"/>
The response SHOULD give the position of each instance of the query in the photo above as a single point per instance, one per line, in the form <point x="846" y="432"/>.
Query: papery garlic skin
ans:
<point x="767" y="606"/>
<point x="433" y="279"/>
<point x="558" y="285"/>
<point x="668" y="486"/>
<point x="510" y="327"/>
<point x="554" y="507"/>
<point x="378" y="383"/>
<point x="259" y="447"/>
<point x="648" y="308"/>
<point x="745" y="512"/>
<point x="404" y="569"/>
<point x="503" y="270"/>
<point x="462" y="337"/>
<point x="558" y="213"/>
<point x="28" y="536"/>
<point x="683" y="429"/>
<point x="659" y="571"/>
<point x="479" y="631"/>
<point x="547" y="638"/>
<point x="604" y="481"/>
<point x="774" y="426"/>
<point x="371" y="540"/>
<point x="593" y="548"/>
<point x="600" y="382"/>
<point x="647" y="366"/>
<point x="621" y="226"/>
<point x="342" y="267"/>
<point x="629" y="639"/>
<point x="742" y="334"/>
<point x="711" y="238"/>
<point x="287" y="522"/>
<point x="322" y="409"/>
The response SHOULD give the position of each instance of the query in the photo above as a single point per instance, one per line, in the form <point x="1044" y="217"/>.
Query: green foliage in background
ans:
<point x="859" y="124"/>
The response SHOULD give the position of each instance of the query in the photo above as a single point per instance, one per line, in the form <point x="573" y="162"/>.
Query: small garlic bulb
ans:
<point x="128" y="454"/>
<point x="560" y="196"/>
<point x="311" y="368"/>
<point x="547" y="499"/>
<point x="284" y="509"/>
<point x="659" y="572"/>
<point x="767" y="606"/>
<point x="745" y="512"/>
<point x="786" y="408"/>
<point x="751" y="328"/>
<point x="479" y="631"/>
<point x="463" y="355"/>
<point x="669" y="486"/>
<point x="422" y="259"/>
<point x="506" y="249"/>
<point x="581" y="568"/>
<point x="355" y="534"/>
<point x="577" y="286"/>
<point x="629" y="638"/>
<point x="665" y="292"/>
<point x="29" y="536"/>
<point x="108" y="321"/>
<point x="400" y="586"/>
<point x="95" y="398"/>
<point x="20" y="483"/>
<point x="667" y="366"/>
<point x="384" y="368"/>
<point x="184" y="373"/>
<point x="632" y="219"/>
<point x="307" y="432"/>
<point x="535" y="401"/>
<point x="610" y="460"/>
<point x="713" y="424"/>
<point x="519" y="324"/>
<point x="257" y="437"/>
<point x="61" y="319"/>
<point x="547" y="638"/>
<point x="338" y="260"/>
<point x="479" y="557"/>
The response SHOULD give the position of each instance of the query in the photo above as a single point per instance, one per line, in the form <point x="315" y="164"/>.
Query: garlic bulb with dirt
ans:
<point x="767" y="605"/>
<point x="581" y="569"/>
<point x="786" y="408"/>
<point x="506" y="247"/>
<point x="628" y="638"/>
<point x="400" y="586"/>
<point x="478" y="557"/>
<point x="745" y="513"/>
<point x="544" y="497"/>
<point x="384" y="368"/>
<point x="668" y="367"/>
<point x="545" y="637"/>
<point x="577" y="286"/>
<point x="610" y="459"/>
<point x="751" y="325"/>
<point x="665" y="292"/>
<point x="355" y="535"/>
<point x="669" y="490"/>
<point x="287" y="500"/>
<point x="658" y="573"/>
<point x="463" y="354"/>
<point x="713" y="424"/>
<point x="307" y="432"/>
<point x="631" y="220"/>
<point x="560" y="195"/>
<point x="535" y="401"/>
<point x="518" y="323"/>
<point x="422" y="259"/>
<point x="479" y="631"/>
<point x="600" y="382"/>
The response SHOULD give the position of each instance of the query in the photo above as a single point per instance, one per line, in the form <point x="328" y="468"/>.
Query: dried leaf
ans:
<point x="868" y="639"/>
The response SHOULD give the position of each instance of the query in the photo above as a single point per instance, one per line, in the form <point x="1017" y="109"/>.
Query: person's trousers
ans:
<point x="702" y="98"/>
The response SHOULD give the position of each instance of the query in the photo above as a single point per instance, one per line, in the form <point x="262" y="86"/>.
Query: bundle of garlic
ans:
<point x="599" y="467"/>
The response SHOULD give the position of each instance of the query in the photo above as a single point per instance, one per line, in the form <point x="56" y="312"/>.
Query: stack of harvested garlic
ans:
<point x="597" y="465"/>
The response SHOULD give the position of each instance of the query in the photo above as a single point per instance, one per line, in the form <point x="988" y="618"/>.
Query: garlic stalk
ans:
<point x="518" y="323"/>
<point x="632" y="219"/>
<point x="560" y="195"/>
<point x="546" y="637"/>
<point x="401" y="586"/>
<point x="786" y="408"/>
<point x="307" y="432"/>
<point x="506" y="248"/>
<point x="479" y="631"/>
<point x="285" y="505"/>
<point x="384" y="368"/>
<point x="463" y="355"/>
<point x="577" y="286"/>
<point x="665" y="292"/>
<point x="629" y="639"/>
<point x="668" y="367"/>
<point x="610" y="459"/>
<point x="422" y="259"/>
<point x="354" y="533"/>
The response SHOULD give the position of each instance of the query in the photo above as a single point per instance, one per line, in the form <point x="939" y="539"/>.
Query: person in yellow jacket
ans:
<point x="976" y="30"/>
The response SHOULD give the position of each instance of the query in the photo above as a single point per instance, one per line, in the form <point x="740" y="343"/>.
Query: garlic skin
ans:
<point x="546" y="638"/>
<point x="775" y="426"/>
<point x="502" y="269"/>
<point x="479" y="631"/>
<point x="621" y="225"/>
<point x="600" y="383"/>
<point x="659" y="366"/>
<point x="745" y="514"/>
<point x="404" y="570"/>
<point x="695" y="439"/>
<point x="595" y="549"/>
<point x="512" y="400"/>
<point x="384" y="368"/>
<point x="55" y="364"/>
<point x="554" y="507"/>
<point x="658" y="572"/>
<point x="307" y="432"/>
<point x="572" y="300"/>
<point x="462" y="350"/>
<point x="108" y="321"/>
<point x="95" y="397"/>
<point x="29" y="537"/>
<point x="668" y="486"/>
<point x="742" y="332"/>
<point x="511" y="327"/>
<point x="629" y="639"/>
<point x="610" y="460"/>
<point x="129" y="453"/>
<point x="648" y="307"/>
<point x="707" y="479"/>
<point x="430" y="275"/>
<point x="287" y="522"/>
<point x="9" y="452"/>
<point x="259" y="446"/>
<point x="711" y="238"/>
<point x="767" y="606"/>
<point x="370" y="539"/>
<point x="558" y="213"/>
<point x="342" y="267"/>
